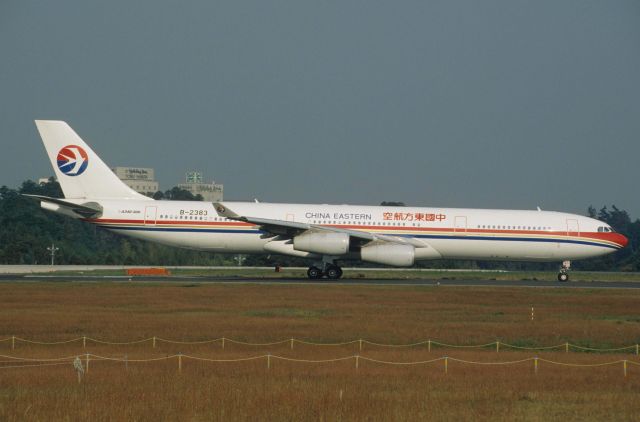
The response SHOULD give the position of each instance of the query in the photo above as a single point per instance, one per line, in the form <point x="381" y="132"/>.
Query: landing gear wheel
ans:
<point x="314" y="273"/>
<point x="334" y="272"/>
<point x="563" y="275"/>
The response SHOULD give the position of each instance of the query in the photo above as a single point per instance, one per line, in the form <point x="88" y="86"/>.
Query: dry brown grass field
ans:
<point x="249" y="390"/>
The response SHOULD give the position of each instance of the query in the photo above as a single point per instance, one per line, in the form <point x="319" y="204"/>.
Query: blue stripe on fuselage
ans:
<point x="514" y="239"/>
<point x="420" y="236"/>
<point x="180" y="229"/>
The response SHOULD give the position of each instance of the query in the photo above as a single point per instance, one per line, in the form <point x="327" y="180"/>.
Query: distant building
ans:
<point x="140" y="179"/>
<point x="194" y="183"/>
<point x="45" y="180"/>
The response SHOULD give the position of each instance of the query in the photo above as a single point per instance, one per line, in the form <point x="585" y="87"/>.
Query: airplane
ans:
<point x="325" y="234"/>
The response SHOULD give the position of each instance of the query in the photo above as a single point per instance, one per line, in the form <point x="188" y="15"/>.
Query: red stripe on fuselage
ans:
<point x="615" y="238"/>
<point x="175" y="222"/>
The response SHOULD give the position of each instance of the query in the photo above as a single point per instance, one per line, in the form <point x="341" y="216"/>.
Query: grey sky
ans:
<point x="508" y="104"/>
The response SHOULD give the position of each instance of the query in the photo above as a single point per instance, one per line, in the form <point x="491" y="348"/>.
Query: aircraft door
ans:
<point x="573" y="229"/>
<point x="150" y="214"/>
<point x="291" y="217"/>
<point x="460" y="224"/>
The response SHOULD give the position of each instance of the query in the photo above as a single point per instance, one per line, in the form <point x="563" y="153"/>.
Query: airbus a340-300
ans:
<point x="325" y="234"/>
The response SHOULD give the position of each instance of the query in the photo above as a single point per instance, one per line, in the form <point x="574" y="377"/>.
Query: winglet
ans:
<point x="225" y="212"/>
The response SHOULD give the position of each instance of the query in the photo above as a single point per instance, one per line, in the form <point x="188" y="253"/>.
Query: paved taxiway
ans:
<point x="346" y="281"/>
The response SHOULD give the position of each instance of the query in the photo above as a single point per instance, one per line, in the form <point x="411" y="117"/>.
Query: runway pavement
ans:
<point x="33" y="278"/>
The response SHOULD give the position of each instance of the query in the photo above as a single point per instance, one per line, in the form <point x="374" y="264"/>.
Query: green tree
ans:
<point x="177" y="194"/>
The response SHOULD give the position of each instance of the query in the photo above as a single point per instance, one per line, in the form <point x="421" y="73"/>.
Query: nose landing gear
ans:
<point x="563" y="275"/>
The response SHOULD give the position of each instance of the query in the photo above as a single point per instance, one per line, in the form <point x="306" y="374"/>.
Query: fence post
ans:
<point x="87" y="358"/>
<point x="77" y="365"/>
<point x="535" y="365"/>
<point x="179" y="362"/>
<point x="360" y="341"/>
<point x="566" y="347"/>
<point x="498" y="346"/>
<point x="625" y="368"/>
<point x="446" y="364"/>
<point x="154" y="342"/>
<point x="223" y="342"/>
<point x="84" y="342"/>
<point x="13" y="342"/>
<point x="269" y="361"/>
<point x="636" y="350"/>
<point x="429" y="346"/>
<point x="292" y="344"/>
<point x="357" y="361"/>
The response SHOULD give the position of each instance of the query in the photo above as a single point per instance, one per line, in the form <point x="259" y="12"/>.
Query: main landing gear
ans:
<point x="331" y="271"/>
<point x="563" y="275"/>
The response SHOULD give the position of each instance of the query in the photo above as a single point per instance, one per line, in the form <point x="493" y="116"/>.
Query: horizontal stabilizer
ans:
<point x="86" y="210"/>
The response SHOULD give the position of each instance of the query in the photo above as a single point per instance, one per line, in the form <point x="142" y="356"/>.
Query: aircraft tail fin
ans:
<point x="79" y="170"/>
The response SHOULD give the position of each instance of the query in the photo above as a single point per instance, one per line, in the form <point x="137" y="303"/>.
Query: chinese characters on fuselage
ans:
<point x="411" y="216"/>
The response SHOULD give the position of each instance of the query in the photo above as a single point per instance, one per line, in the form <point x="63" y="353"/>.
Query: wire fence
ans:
<point x="429" y="344"/>
<point x="81" y="363"/>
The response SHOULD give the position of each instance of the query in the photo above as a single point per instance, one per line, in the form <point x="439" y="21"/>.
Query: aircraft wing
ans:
<point x="288" y="229"/>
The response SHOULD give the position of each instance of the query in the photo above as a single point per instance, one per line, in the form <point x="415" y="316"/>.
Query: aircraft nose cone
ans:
<point x="621" y="240"/>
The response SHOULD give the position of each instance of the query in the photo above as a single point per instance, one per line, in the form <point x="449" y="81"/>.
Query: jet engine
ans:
<point x="389" y="253"/>
<point x="284" y="248"/>
<point x="325" y="243"/>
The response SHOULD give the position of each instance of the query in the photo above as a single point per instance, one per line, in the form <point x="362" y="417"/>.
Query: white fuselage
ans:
<point x="396" y="236"/>
<point x="450" y="233"/>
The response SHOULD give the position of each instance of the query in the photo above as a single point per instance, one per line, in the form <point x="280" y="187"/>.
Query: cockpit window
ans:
<point x="605" y="229"/>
